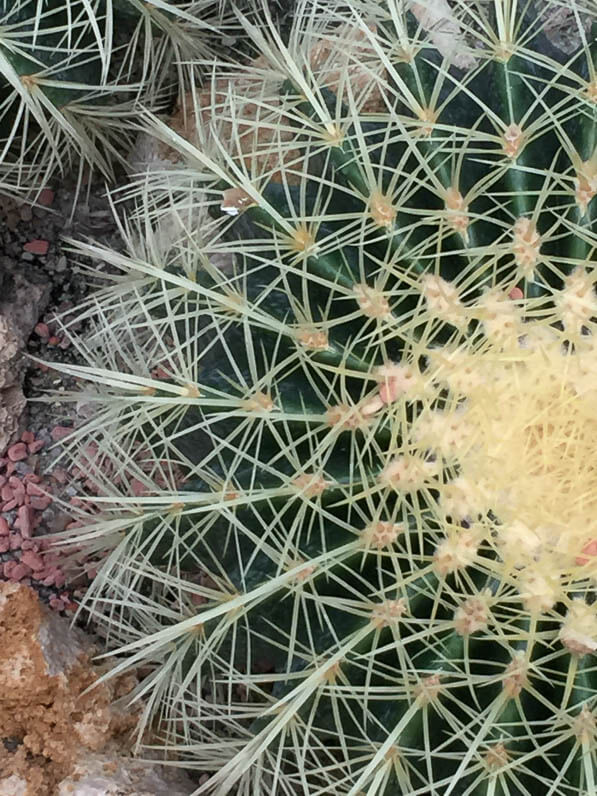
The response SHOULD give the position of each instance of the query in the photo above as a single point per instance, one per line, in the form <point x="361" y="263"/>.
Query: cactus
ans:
<point x="349" y="529"/>
<point x="72" y="73"/>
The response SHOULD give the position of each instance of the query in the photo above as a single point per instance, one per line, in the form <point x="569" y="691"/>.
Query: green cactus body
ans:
<point x="385" y="413"/>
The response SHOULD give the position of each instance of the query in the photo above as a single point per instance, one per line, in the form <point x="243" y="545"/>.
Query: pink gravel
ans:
<point x="32" y="560"/>
<point x="20" y="571"/>
<point x="42" y="330"/>
<point x="60" y="475"/>
<point x="40" y="503"/>
<point x="46" y="197"/>
<point x="590" y="549"/>
<point x="59" y="432"/>
<point x="24" y="522"/>
<point x="39" y="247"/>
<point x="17" y="452"/>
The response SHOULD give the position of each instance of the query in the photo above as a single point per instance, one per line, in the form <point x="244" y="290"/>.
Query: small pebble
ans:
<point x="36" y="446"/>
<point x="40" y="503"/>
<point x="42" y="330"/>
<point x="17" y="452"/>
<point x="46" y="197"/>
<point x="29" y="544"/>
<point x="27" y="477"/>
<point x="137" y="487"/>
<point x="60" y="475"/>
<point x="19" y="494"/>
<point x="4" y="529"/>
<point x="39" y="247"/>
<point x="59" y="579"/>
<point x="59" y="432"/>
<point x="27" y="437"/>
<point x="20" y="571"/>
<point x="7" y="568"/>
<point x="15" y="541"/>
<point x="24" y="520"/>
<point x="33" y="560"/>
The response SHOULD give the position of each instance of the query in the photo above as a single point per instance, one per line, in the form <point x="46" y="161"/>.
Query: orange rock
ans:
<point x="44" y="667"/>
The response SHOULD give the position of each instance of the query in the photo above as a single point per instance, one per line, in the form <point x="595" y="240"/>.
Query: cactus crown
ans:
<point x="382" y="405"/>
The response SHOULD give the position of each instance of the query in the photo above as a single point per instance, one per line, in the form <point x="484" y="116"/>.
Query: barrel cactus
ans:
<point x="73" y="71"/>
<point x="349" y="526"/>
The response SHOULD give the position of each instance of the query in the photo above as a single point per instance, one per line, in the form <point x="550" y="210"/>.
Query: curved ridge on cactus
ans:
<point x="352" y="529"/>
<point x="73" y="72"/>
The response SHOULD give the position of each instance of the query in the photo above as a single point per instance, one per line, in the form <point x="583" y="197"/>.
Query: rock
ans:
<point x="17" y="452"/>
<point x="39" y="247"/>
<point x="20" y="307"/>
<point x="445" y="32"/>
<point x="13" y="786"/>
<point x="59" y="741"/>
<point x="43" y="670"/>
<point x="562" y="29"/>
<point x="42" y="330"/>
<point x="46" y="197"/>
<point x="24" y="521"/>
<point x="60" y="432"/>
<point x="103" y="775"/>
